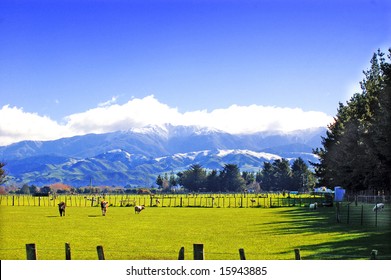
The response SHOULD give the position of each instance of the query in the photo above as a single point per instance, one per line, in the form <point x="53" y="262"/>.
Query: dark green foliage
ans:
<point x="278" y="176"/>
<point x="302" y="178"/>
<point x="356" y="150"/>
<point x="197" y="179"/>
<point x="231" y="179"/>
<point x="159" y="181"/>
<point x="194" y="179"/>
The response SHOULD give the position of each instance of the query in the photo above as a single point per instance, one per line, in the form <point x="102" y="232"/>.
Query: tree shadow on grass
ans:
<point x="351" y="241"/>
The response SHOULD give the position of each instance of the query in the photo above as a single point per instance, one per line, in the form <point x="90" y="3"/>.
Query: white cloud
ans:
<point x="110" y="102"/>
<point x="253" y="118"/>
<point x="17" y="125"/>
<point x="134" y="113"/>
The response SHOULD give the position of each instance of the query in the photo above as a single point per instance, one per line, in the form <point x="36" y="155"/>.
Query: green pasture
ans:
<point x="158" y="233"/>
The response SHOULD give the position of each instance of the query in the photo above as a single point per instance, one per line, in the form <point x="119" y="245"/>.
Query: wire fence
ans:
<point x="238" y="200"/>
<point x="363" y="214"/>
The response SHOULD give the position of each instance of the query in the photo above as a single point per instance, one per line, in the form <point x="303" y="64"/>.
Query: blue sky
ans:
<point x="62" y="61"/>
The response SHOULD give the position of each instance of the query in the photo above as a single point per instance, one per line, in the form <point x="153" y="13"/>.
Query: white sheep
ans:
<point x="138" y="209"/>
<point x="378" y="207"/>
<point x="313" y="206"/>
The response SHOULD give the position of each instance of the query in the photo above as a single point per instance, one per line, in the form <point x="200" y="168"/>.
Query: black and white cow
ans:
<point x="61" y="208"/>
<point x="138" y="209"/>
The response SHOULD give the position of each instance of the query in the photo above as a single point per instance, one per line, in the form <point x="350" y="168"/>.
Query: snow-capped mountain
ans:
<point x="137" y="156"/>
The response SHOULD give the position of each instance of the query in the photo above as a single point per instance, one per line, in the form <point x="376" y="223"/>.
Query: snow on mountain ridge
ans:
<point x="190" y="155"/>
<point x="169" y="130"/>
<point x="151" y="129"/>
<point x="221" y="153"/>
<point x="120" y="151"/>
<point x="268" y="156"/>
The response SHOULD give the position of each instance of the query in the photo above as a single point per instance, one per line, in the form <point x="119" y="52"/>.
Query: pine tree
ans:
<point x="356" y="149"/>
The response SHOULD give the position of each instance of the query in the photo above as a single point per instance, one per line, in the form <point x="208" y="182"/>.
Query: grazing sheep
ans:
<point x="378" y="207"/>
<point x="138" y="209"/>
<point x="157" y="201"/>
<point x="103" y="206"/>
<point x="313" y="206"/>
<point x="61" y="208"/>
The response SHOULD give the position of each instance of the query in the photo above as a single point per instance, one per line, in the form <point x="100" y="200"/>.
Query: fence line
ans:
<point x="355" y="214"/>
<point x="177" y="200"/>
<point x="368" y="199"/>
<point x="198" y="253"/>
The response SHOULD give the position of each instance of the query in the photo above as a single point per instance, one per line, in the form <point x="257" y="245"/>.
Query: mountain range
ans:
<point x="137" y="156"/>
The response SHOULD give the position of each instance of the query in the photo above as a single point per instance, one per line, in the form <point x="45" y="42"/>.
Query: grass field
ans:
<point x="158" y="233"/>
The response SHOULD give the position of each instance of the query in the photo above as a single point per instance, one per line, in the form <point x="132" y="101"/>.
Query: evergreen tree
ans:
<point x="282" y="174"/>
<point x="302" y="177"/>
<point x="268" y="182"/>
<point x="194" y="179"/>
<point x="356" y="149"/>
<point x="25" y="189"/>
<point x="231" y="179"/>
<point x="213" y="182"/>
<point x="159" y="181"/>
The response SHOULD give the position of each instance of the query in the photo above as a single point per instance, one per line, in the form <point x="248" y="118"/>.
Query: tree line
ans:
<point x="278" y="175"/>
<point x="356" y="152"/>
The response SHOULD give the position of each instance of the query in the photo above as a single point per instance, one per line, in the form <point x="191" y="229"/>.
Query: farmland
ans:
<point x="159" y="232"/>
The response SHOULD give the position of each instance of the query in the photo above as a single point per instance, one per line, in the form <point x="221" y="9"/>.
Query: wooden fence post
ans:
<point x="241" y="254"/>
<point x="181" y="255"/>
<point x="374" y="255"/>
<point x="198" y="251"/>
<point x="31" y="251"/>
<point x="101" y="255"/>
<point x="67" y="251"/>
<point x="297" y="254"/>
<point x="338" y="212"/>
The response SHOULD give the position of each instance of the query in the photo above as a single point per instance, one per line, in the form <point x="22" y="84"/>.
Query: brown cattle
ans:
<point x="61" y="208"/>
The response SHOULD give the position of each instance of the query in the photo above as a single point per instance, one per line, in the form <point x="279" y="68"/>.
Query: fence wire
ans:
<point x="237" y="200"/>
<point x="363" y="214"/>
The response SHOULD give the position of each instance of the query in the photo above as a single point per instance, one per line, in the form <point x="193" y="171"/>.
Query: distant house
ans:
<point x="323" y="190"/>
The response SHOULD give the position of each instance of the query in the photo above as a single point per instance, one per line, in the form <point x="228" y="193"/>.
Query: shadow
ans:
<point x="94" y="216"/>
<point x="352" y="241"/>
<point x="53" y="217"/>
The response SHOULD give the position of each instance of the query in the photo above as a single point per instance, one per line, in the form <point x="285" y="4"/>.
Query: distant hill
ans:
<point x="137" y="156"/>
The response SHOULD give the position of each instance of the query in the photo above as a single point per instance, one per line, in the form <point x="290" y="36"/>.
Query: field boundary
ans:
<point x="198" y="253"/>
<point x="239" y="200"/>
